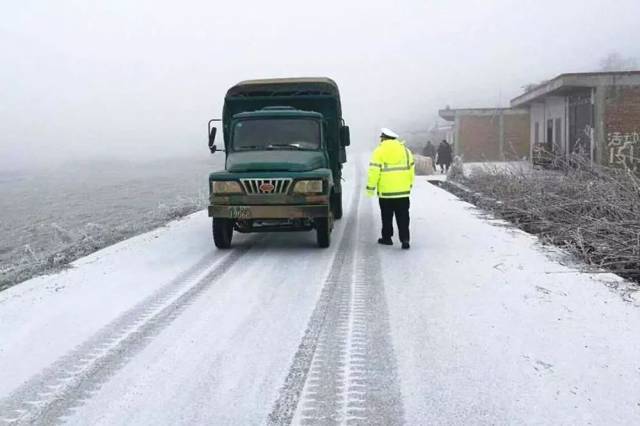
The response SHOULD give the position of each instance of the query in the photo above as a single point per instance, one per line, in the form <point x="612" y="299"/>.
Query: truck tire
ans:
<point x="336" y="205"/>
<point x="222" y="232"/>
<point x="323" y="231"/>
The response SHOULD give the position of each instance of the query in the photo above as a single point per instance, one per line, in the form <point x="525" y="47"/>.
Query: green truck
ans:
<point x="285" y="143"/>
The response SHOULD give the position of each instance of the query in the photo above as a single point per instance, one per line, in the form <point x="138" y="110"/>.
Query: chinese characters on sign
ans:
<point x="624" y="150"/>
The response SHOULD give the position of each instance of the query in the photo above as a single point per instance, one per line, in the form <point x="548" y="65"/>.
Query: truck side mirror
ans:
<point x="212" y="135"/>
<point x="345" y="139"/>
<point x="212" y="140"/>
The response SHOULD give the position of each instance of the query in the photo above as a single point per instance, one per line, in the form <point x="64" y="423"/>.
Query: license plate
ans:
<point x="240" y="212"/>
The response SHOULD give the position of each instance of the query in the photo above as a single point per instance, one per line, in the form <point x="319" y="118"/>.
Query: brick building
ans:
<point x="596" y="114"/>
<point x="489" y="134"/>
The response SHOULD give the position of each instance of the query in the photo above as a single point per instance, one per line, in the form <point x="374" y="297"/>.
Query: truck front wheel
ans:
<point x="336" y="204"/>
<point x="222" y="232"/>
<point x="323" y="231"/>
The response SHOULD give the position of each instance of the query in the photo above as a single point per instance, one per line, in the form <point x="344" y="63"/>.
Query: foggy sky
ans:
<point x="139" y="79"/>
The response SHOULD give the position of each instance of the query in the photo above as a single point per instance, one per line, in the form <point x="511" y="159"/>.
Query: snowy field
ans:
<point x="476" y="324"/>
<point x="51" y="217"/>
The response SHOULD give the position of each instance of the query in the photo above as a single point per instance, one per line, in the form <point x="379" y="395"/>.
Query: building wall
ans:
<point x="537" y="118"/>
<point x="516" y="137"/>
<point x="622" y="127"/>
<point x="553" y="108"/>
<point x="479" y="138"/>
<point x="492" y="136"/>
<point x="556" y="116"/>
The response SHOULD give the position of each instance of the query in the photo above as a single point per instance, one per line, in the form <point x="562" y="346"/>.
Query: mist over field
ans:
<point x="138" y="80"/>
<point x="54" y="216"/>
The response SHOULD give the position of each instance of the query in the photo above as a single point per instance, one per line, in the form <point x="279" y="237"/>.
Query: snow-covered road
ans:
<point x="476" y="324"/>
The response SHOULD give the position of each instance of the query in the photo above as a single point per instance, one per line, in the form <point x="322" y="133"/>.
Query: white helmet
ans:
<point x="390" y="133"/>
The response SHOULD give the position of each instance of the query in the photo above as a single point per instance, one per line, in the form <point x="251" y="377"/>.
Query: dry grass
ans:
<point x="593" y="212"/>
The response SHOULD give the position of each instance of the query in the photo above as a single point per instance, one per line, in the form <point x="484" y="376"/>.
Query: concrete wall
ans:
<point x="536" y="120"/>
<point x="621" y="121"/>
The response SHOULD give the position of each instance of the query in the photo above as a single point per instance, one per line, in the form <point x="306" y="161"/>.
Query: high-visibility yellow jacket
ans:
<point x="391" y="170"/>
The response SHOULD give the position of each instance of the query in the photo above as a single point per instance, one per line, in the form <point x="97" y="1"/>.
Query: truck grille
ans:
<point x="266" y="186"/>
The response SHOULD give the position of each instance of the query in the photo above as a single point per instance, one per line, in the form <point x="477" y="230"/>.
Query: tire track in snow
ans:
<point x="372" y="396"/>
<point x="344" y="370"/>
<point x="53" y="393"/>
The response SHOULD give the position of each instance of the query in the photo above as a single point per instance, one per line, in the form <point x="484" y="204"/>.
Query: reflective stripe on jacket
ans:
<point x="391" y="170"/>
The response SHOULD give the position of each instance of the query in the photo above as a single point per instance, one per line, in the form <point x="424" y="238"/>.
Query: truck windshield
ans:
<point x="281" y="133"/>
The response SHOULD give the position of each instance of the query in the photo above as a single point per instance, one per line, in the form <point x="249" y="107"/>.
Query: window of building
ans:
<point x="536" y="136"/>
<point x="549" y="140"/>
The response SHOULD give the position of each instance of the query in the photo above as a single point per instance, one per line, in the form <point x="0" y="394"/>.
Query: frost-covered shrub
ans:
<point x="590" y="210"/>
<point x="456" y="171"/>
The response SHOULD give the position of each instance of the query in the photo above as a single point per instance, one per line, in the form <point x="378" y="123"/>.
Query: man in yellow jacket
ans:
<point x="391" y="174"/>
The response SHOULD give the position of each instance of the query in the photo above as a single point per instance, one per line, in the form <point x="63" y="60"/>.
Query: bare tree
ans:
<point x="614" y="61"/>
<point x="532" y="86"/>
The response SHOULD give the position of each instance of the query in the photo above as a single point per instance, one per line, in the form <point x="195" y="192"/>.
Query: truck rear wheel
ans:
<point x="336" y="205"/>
<point x="323" y="231"/>
<point x="222" y="232"/>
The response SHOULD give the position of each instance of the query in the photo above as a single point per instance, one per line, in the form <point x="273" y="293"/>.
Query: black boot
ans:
<point x="405" y="245"/>
<point x="385" y="241"/>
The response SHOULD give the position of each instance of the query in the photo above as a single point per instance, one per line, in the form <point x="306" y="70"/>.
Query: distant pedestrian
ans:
<point x="444" y="156"/>
<point x="391" y="173"/>
<point x="430" y="151"/>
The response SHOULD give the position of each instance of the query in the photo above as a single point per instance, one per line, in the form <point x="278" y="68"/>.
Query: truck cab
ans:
<point x="284" y="144"/>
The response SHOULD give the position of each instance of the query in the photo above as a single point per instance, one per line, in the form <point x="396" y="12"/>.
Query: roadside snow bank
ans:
<point x="592" y="212"/>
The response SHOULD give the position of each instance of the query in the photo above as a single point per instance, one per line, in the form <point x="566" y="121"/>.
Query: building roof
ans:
<point x="566" y="83"/>
<point x="450" y="114"/>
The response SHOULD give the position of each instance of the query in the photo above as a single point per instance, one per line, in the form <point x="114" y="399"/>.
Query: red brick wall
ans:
<point x="479" y="138"/>
<point x="622" y="127"/>
<point x="517" y="133"/>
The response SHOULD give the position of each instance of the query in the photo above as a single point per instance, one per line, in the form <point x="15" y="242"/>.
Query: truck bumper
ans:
<point x="246" y="212"/>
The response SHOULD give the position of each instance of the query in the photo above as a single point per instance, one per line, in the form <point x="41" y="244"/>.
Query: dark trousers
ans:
<point x="400" y="208"/>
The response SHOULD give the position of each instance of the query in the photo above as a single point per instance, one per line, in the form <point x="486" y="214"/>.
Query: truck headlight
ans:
<point x="226" y="187"/>
<point x="308" y="187"/>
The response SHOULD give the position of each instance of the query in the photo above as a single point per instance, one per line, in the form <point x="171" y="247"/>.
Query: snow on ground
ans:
<point x="492" y="329"/>
<point x="488" y="167"/>
<point x="44" y="318"/>
<point x="477" y="323"/>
